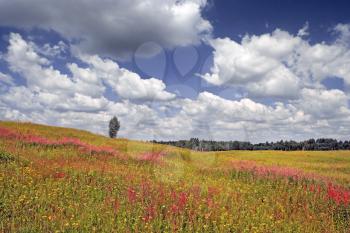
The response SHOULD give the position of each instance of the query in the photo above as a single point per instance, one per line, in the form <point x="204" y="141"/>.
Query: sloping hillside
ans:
<point x="65" y="180"/>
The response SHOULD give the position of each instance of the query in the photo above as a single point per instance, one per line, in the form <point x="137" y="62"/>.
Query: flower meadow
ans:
<point x="64" y="180"/>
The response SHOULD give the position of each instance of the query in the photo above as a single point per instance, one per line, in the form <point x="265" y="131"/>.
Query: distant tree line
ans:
<point x="311" y="144"/>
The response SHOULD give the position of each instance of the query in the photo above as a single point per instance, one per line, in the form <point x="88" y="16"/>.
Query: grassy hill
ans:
<point x="65" y="180"/>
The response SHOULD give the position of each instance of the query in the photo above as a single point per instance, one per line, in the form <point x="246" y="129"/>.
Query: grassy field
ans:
<point x="65" y="180"/>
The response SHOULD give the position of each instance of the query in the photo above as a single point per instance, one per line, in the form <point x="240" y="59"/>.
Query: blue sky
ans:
<point x="223" y="70"/>
<point x="231" y="18"/>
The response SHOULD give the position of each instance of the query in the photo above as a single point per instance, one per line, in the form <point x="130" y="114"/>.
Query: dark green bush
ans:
<point x="6" y="157"/>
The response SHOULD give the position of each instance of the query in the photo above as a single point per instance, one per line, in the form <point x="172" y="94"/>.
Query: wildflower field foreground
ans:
<point x="64" y="180"/>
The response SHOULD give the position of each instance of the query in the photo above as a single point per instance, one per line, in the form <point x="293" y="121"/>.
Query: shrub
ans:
<point x="114" y="126"/>
<point x="6" y="157"/>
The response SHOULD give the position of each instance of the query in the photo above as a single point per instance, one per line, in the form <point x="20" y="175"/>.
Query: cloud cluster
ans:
<point x="125" y="83"/>
<point x="114" y="28"/>
<point x="291" y="69"/>
<point x="52" y="97"/>
<point x="89" y="81"/>
<point x="279" y="64"/>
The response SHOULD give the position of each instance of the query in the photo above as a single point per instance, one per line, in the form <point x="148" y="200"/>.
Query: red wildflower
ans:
<point x="116" y="205"/>
<point x="210" y="202"/>
<point x="150" y="213"/>
<point x="312" y="188"/>
<point x="274" y="171"/>
<point x="338" y="194"/>
<point x="6" y="133"/>
<point x="182" y="201"/>
<point x="212" y="191"/>
<point x="174" y="209"/>
<point x="131" y="195"/>
<point x="37" y="140"/>
<point x="59" y="175"/>
<point x="151" y="156"/>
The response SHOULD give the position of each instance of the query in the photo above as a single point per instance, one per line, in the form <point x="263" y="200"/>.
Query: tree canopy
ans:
<point x="114" y="126"/>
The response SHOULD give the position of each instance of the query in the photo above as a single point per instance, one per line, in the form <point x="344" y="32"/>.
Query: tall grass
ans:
<point x="55" y="183"/>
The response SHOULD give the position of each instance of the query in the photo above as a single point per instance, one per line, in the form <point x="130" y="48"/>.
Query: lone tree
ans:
<point x="114" y="126"/>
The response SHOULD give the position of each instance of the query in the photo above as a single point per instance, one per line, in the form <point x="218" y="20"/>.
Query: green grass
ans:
<point x="62" y="189"/>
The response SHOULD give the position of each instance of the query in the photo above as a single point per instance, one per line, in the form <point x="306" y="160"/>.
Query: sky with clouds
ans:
<point x="170" y="69"/>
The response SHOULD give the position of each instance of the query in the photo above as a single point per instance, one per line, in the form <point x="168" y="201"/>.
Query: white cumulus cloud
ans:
<point x="279" y="64"/>
<point x="114" y="28"/>
<point x="291" y="71"/>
